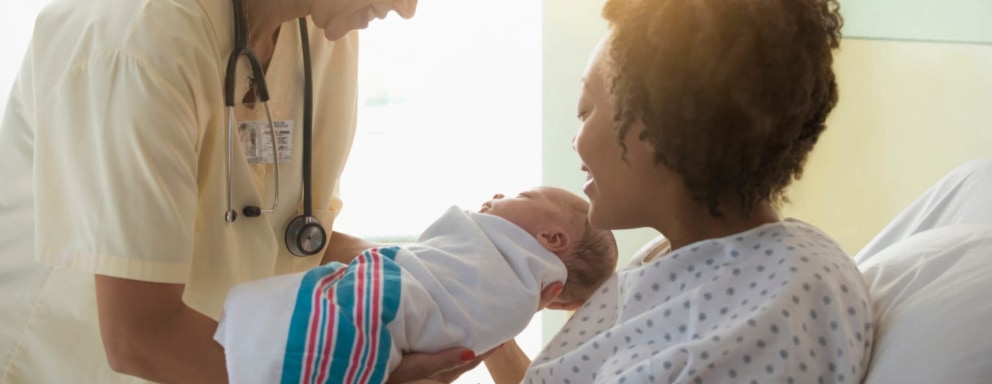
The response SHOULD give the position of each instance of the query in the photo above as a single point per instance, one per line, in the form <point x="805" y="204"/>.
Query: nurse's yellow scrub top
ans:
<point x="112" y="162"/>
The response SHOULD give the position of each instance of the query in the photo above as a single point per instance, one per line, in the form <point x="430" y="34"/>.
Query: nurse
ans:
<point x="116" y="243"/>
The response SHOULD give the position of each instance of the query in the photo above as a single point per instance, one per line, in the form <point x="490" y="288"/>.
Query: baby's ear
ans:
<point x="550" y="293"/>
<point x="555" y="239"/>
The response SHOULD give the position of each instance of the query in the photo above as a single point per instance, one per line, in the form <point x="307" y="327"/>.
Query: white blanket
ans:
<point x="472" y="280"/>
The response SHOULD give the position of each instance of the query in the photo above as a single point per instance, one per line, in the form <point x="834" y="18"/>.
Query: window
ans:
<point x="449" y="114"/>
<point x="16" y="25"/>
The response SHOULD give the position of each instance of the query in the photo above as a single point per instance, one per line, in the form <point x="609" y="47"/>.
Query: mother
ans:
<point x="695" y="116"/>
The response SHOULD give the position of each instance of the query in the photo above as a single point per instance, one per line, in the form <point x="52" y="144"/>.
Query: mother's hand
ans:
<point x="441" y="367"/>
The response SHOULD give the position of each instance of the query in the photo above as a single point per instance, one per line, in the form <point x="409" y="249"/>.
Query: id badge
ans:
<point x="257" y="141"/>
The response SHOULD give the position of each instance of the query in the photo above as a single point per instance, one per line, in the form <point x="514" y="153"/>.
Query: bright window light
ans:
<point x="449" y="114"/>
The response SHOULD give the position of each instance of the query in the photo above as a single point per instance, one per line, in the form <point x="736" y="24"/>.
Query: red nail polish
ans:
<point x="467" y="356"/>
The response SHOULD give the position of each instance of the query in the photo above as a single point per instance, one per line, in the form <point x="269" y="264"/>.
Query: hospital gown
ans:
<point x="778" y="303"/>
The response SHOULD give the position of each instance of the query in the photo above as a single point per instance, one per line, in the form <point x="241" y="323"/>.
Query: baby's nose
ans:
<point x="498" y="196"/>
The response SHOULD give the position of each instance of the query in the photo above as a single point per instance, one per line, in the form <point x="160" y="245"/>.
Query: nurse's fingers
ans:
<point x="452" y="374"/>
<point x="419" y="366"/>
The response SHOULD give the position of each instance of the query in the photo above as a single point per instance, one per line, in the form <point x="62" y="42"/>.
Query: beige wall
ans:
<point x="908" y="113"/>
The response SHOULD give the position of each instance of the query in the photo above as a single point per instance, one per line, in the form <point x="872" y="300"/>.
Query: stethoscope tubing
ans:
<point x="241" y="48"/>
<point x="305" y="236"/>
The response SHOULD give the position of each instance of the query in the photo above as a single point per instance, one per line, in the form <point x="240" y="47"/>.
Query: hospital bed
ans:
<point x="929" y="274"/>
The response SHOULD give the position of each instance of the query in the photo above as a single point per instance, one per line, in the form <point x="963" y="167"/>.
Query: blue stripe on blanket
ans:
<point x="325" y="344"/>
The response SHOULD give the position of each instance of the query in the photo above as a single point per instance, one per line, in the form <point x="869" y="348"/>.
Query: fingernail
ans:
<point x="467" y="356"/>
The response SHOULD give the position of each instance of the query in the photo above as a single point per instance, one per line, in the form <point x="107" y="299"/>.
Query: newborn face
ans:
<point x="529" y="209"/>
<point x="533" y="210"/>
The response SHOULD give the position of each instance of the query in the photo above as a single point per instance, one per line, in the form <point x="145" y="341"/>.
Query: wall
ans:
<point x="918" y="20"/>
<point x="909" y="112"/>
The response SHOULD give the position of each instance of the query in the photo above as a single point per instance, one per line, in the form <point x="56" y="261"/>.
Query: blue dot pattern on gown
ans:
<point x="778" y="303"/>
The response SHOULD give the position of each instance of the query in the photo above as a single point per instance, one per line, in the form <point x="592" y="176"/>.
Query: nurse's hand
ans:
<point x="441" y="367"/>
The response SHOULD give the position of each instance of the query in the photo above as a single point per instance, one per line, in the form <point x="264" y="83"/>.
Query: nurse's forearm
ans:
<point x="149" y="332"/>
<point x="184" y="351"/>
<point x="343" y="248"/>
<point x="508" y="364"/>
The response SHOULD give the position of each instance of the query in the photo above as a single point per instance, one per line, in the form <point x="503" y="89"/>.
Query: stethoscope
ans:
<point x="304" y="234"/>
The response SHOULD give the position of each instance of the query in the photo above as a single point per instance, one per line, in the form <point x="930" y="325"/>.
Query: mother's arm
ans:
<point x="507" y="364"/>
<point x="343" y="248"/>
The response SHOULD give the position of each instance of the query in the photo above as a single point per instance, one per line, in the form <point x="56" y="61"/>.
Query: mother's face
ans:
<point x="620" y="190"/>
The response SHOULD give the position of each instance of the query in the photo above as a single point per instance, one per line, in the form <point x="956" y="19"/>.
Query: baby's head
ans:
<point x="558" y="219"/>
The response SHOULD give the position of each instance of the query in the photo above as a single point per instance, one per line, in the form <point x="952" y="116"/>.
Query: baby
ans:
<point x="472" y="279"/>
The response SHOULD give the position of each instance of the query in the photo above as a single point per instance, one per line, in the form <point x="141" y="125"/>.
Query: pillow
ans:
<point x="960" y="197"/>
<point x="932" y="296"/>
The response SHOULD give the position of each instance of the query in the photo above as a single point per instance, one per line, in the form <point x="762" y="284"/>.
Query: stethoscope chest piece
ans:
<point x="305" y="236"/>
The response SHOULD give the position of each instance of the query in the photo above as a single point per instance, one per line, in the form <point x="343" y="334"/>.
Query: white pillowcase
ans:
<point x="963" y="196"/>
<point x="932" y="296"/>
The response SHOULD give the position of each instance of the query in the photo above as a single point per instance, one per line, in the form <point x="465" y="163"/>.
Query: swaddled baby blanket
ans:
<point x="471" y="280"/>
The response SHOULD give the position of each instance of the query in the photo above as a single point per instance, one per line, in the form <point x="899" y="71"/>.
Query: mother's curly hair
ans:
<point x="732" y="93"/>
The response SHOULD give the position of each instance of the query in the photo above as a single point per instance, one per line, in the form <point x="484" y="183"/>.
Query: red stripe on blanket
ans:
<point x="361" y="305"/>
<point x="319" y="317"/>
<point x="374" y="334"/>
